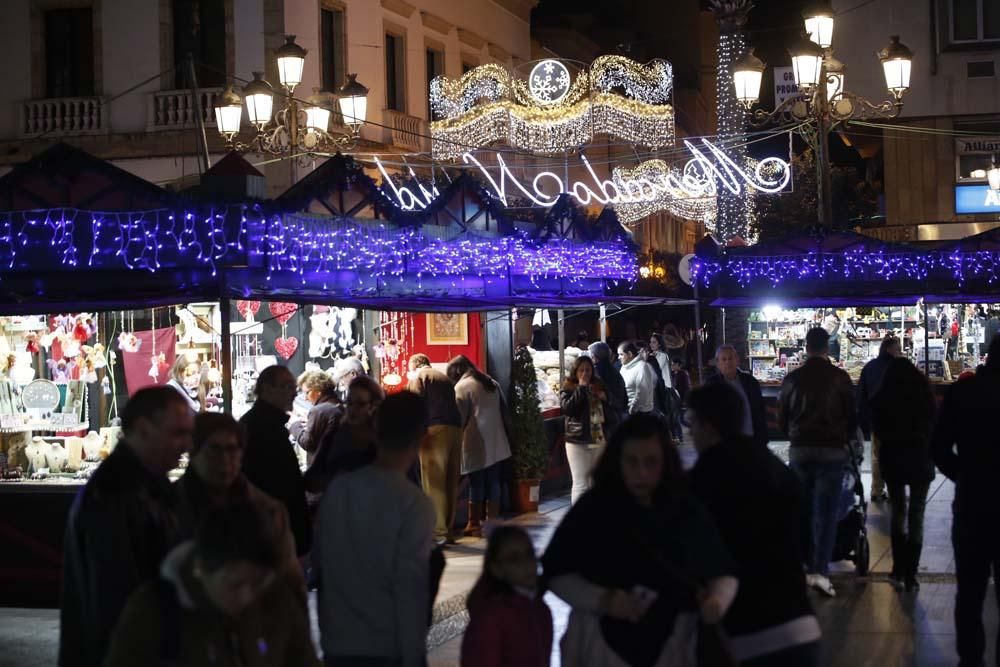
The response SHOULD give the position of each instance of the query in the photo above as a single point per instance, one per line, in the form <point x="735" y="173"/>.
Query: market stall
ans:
<point x="151" y="283"/>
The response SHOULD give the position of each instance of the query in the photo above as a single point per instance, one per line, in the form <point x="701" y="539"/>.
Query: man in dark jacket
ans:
<point x="122" y="524"/>
<point x="269" y="460"/>
<point x="757" y="504"/>
<point x="868" y="385"/>
<point x="441" y="450"/>
<point x="754" y="424"/>
<point x="617" y="394"/>
<point x="966" y="448"/>
<point x="816" y="410"/>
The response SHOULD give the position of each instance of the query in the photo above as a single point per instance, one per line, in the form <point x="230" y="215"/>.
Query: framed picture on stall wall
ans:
<point x="447" y="329"/>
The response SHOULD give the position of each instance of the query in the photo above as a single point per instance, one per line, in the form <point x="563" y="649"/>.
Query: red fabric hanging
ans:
<point x="137" y="364"/>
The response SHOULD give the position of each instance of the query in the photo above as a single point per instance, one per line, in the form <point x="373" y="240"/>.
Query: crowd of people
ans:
<point x="659" y="566"/>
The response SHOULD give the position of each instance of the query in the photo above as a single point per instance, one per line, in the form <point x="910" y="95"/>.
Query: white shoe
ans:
<point x="822" y="584"/>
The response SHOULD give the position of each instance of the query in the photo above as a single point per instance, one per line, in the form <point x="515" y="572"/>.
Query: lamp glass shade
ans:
<point x="353" y="108"/>
<point x="897" y="74"/>
<point x="317" y="118"/>
<point x="820" y="29"/>
<point x="227" y="118"/>
<point x="259" y="106"/>
<point x="290" y="71"/>
<point x="896" y="62"/>
<point x="291" y="61"/>
<point x="747" y="83"/>
<point x="806" y="67"/>
<point x="993" y="176"/>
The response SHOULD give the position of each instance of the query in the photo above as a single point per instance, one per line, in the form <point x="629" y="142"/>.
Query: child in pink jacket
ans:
<point x="510" y="625"/>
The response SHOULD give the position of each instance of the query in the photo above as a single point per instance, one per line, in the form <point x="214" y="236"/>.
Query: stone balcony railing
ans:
<point x="175" y="109"/>
<point x="405" y="131"/>
<point x="63" y="116"/>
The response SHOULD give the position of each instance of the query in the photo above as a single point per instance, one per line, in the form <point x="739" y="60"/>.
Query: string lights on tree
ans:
<point x="732" y="217"/>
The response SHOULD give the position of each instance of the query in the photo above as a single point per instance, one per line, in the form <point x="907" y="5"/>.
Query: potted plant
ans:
<point x="529" y="449"/>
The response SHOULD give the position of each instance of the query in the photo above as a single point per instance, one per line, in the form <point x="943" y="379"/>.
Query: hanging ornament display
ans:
<point x="282" y="311"/>
<point x="155" y="359"/>
<point x="31" y="343"/>
<point x="286" y="346"/>
<point x="248" y="309"/>
<point x="394" y="333"/>
<point x="127" y="340"/>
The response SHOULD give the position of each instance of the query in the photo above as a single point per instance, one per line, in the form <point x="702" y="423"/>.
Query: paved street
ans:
<point x="868" y="623"/>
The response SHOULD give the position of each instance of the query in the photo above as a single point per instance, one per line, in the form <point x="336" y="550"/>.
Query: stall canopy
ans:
<point x="75" y="228"/>
<point x="845" y="268"/>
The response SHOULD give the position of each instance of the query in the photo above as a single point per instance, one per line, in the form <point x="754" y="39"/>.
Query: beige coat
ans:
<point x="484" y="437"/>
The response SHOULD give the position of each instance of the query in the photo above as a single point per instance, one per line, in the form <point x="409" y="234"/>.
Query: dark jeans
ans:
<point x="803" y="655"/>
<point x="977" y="550"/>
<point x="484" y="485"/>
<point x="822" y="483"/>
<point x="907" y="523"/>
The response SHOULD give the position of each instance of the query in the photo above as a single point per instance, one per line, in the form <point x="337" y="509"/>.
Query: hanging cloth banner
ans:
<point x="137" y="364"/>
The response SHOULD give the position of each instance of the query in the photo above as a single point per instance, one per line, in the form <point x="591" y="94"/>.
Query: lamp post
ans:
<point x="295" y="128"/>
<point x="823" y="103"/>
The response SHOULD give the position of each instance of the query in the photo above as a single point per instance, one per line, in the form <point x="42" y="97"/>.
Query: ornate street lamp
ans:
<point x="297" y="128"/>
<point x="823" y="102"/>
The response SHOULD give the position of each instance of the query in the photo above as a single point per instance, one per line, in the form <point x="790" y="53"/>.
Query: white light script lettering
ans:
<point x="708" y="168"/>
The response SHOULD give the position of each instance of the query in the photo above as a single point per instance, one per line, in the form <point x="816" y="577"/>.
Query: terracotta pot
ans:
<point x="526" y="495"/>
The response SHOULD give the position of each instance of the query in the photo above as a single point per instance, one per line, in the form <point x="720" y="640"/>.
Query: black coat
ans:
<point x="120" y="527"/>
<point x="320" y="420"/>
<point x="902" y="418"/>
<point x="868" y="385"/>
<point x="756" y="501"/>
<point x="966" y="444"/>
<point x="758" y="414"/>
<point x="269" y="462"/>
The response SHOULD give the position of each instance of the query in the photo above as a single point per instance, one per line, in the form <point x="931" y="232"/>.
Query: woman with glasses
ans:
<point x="349" y="443"/>
<point x="213" y="479"/>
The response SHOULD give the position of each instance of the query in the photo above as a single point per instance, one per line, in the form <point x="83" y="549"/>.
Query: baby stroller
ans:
<point x="852" y="532"/>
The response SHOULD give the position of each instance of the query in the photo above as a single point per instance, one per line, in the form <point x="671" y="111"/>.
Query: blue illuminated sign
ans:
<point x="976" y="199"/>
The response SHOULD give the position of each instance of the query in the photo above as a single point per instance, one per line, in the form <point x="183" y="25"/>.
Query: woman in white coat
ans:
<point x="484" y="438"/>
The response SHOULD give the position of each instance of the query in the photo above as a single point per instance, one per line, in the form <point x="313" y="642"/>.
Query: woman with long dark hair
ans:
<point x="484" y="438"/>
<point x="658" y="351"/>
<point x="509" y="623"/>
<point x="588" y="421"/>
<point x="902" y="418"/>
<point x="638" y="558"/>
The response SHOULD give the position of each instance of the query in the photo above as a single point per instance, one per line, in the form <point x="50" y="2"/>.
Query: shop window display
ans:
<point x="956" y="341"/>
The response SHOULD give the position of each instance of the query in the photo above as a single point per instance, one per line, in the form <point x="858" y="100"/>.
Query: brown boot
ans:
<point x="474" y="528"/>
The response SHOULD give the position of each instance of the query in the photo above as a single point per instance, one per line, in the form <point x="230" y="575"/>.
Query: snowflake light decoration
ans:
<point x="552" y="112"/>
<point x="549" y="82"/>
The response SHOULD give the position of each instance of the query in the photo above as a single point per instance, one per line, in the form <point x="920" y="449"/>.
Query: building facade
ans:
<point x="111" y="76"/>
<point x="937" y="153"/>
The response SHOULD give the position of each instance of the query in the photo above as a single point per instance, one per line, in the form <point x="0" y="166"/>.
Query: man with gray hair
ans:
<point x="346" y="370"/>
<point x="727" y="363"/>
<point x="617" y="395"/>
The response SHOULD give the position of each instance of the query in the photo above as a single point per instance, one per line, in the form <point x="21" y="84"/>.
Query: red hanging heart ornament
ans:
<point x="248" y="308"/>
<point x="286" y="346"/>
<point x="283" y="311"/>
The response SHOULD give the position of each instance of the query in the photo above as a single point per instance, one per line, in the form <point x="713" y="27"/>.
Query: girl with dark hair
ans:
<point x="638" y="559"/>
<point x="658" y="351"/>
<point x="902" y="418"/>
<point x="588" y="421"/>
<point x="509" y="623"/>
<point x="484" y="438"/>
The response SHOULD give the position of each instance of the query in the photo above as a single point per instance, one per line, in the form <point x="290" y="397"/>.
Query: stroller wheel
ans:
<point x="862" y="555"/>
